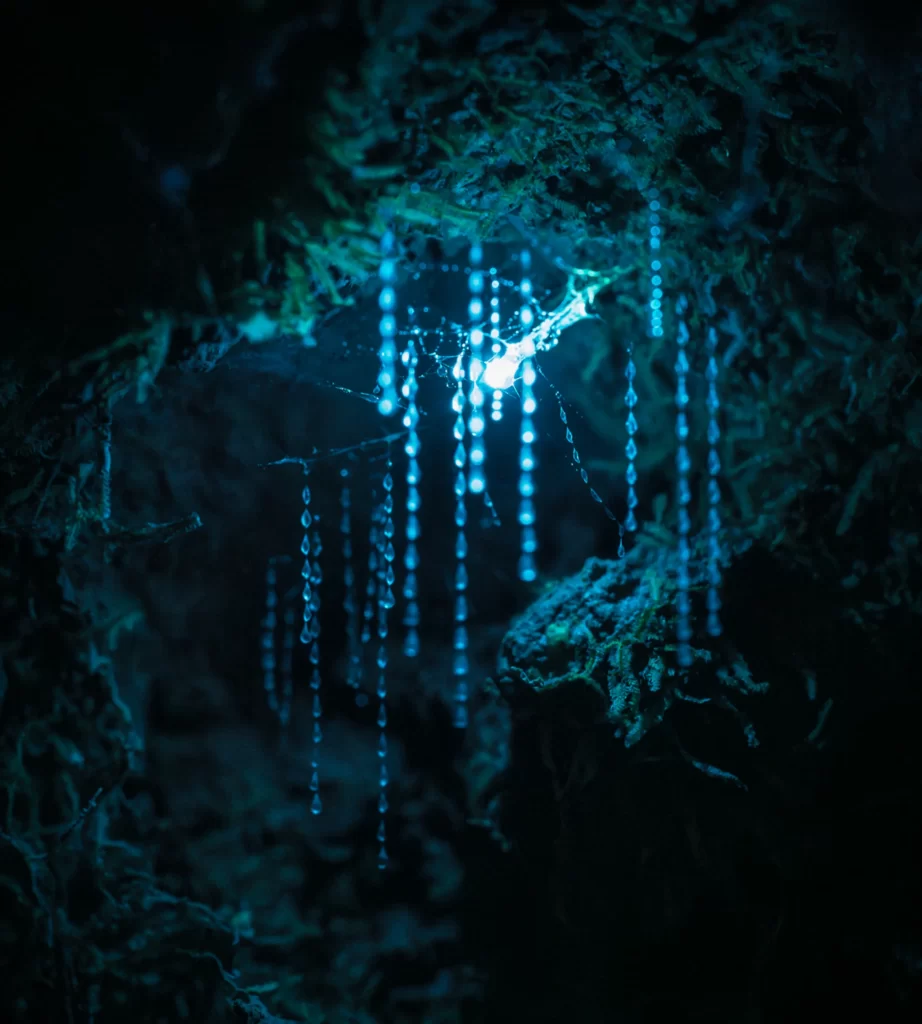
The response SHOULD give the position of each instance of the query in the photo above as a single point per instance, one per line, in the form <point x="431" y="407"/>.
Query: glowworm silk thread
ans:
<point x="496" y="348"/>
<point x="410" y="360"/>
<point x="630" y="449"/>
<point x="387" y="328"/>
<point x="385" y="603"/>
<point x="460" y="662"/>
<point x="267" y="639"/>
<point x="476" y="481"/>
<point x="529" y="539"/>
<point x="656" y="266"/>
<point x="308" y="636"/>
<point x="316" y="578"/>
<point x="714" y="627"/>
<point x="288" y="651"/>
<point x="371" y="586"/>
<point x="683" y="492"/>
<point x="350" y="599"/>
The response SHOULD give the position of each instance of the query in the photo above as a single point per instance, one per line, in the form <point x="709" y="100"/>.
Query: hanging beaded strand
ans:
<point x="307" y="637"/>
<point x="655" y="328"/>
<point x="714" y="627"/>
<point x="529" y="541"/>
<point x="683" y="492"/>
<point x="306" y="522"/>
<point x="410" y="359"/>
<point x="656" y="311"/>
<point x="288" y="651"/>
<point x="381" y="586"/>
<point x="267" y="638"/>
<point x="656" y="280"/>
<point x="387" y="328"/>
<point x="316" y="578"/>
<point x="350" y="599"/>
<point x="578" y="464"/>
<point x="526" y="313"/>
<point x="390" y="576"/>
<point x="385" y="603"/>
<point x="371" y="586"/>
<point x="496" y="408"/>
<point x="476" y="481"/>
<point x="656" y="331"/>
<point x="105" y="496"/>
<point x="630" y="449"/>
<point x="527" y="569"/>
<point x="381" y="603"/>
<point x="460" y="665"/>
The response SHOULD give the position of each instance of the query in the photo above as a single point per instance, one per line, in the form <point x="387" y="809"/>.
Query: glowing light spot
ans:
<point x="499" y="374"/>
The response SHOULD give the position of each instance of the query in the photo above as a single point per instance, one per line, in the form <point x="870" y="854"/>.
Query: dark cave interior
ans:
<point x="633" y="826"/>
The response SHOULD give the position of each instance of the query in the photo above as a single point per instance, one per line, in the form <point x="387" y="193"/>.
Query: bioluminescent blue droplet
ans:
<point x="527" y="568"/>
<point x="683" y="492"/>
<point x="267" y="637"/>
<point x="411" y="448"/>
<point x="714" y="626"/>
<point x="461" y="577"/>
<point x="382" y="845"/>
<point x="461" y="638"/>
<point x="387" y="328"/>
